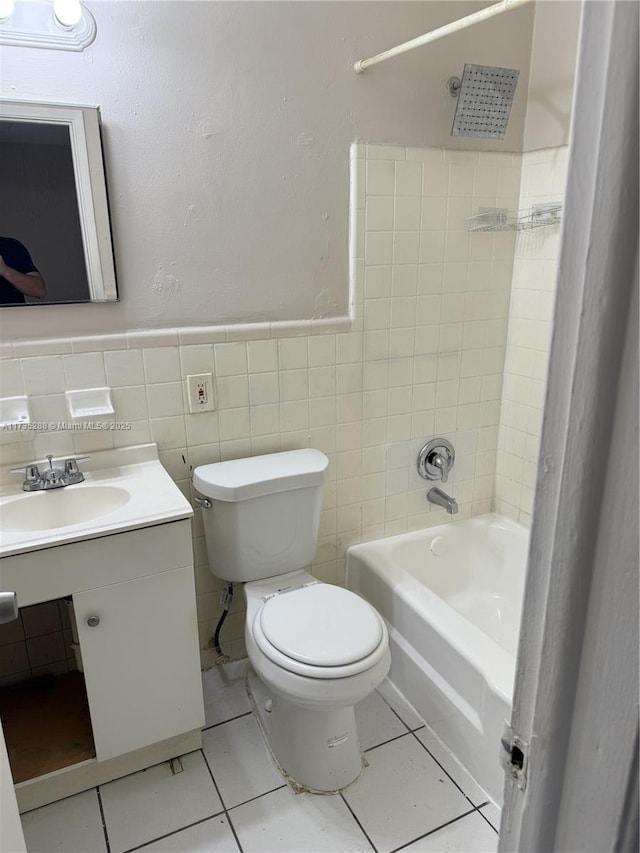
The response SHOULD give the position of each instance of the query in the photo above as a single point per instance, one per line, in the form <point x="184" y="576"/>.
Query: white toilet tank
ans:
<point x="265" y="513"/>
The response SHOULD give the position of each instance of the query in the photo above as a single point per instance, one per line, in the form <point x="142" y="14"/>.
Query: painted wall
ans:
<point x="553" y="60"/>
<point x="227" y="128"/>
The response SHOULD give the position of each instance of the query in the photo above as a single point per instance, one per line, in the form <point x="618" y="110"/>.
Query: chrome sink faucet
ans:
<point x="51" y="478"/>
<point x="440" y="498"/>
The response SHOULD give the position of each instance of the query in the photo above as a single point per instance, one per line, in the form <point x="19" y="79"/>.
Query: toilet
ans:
<point x="315" y="649"/>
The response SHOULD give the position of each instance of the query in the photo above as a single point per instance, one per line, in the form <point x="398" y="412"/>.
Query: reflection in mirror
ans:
<point x="55" y="243"/>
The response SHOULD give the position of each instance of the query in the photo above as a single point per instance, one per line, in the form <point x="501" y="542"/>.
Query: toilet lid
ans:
<point x="321" y="625"/>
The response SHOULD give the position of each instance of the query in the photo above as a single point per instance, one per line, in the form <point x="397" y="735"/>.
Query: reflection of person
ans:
<point x="18" y="274"/>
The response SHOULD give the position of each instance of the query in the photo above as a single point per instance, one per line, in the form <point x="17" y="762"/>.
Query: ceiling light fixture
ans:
<point x="6" y="8"/>
<point x="61" y="25"/>
<point x="67" y="13"/>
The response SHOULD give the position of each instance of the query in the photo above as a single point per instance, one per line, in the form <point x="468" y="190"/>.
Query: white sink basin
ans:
<point x="60" y="507"/>
<point x="124" y="489"/>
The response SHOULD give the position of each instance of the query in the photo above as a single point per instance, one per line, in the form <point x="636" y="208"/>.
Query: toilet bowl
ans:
<point x="306" y="703"/>
<point x="315" y="649"/>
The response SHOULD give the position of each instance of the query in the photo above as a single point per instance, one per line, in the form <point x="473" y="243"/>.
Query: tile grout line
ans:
<point x="353" y="814"/>
<point x="484" y="817"/>
<point x="459" y="787"/>
<point x="385" y="742"/>
<point x="259" y="796"/>
<point x="223" y="722"/>
<point x="173" y="832"/>
<point x="222" y="803"/>
<point x="104" y="820"/>
<point x="432" y="831"/>
<point x="393" y="710"/>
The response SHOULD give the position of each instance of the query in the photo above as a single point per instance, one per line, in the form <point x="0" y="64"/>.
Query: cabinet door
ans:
<point x="139" y="643"/>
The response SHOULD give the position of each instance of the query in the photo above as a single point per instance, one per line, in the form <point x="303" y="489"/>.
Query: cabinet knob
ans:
<point x="93" y="621"/>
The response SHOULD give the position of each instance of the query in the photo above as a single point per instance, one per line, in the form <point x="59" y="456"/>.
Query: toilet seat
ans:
<point x="320" y="631"/>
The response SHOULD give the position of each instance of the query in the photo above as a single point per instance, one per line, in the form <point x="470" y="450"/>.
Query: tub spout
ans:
<point x="440" y="498"/>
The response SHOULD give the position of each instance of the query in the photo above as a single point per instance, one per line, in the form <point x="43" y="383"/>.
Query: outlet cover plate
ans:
<point x="200" y="393"/>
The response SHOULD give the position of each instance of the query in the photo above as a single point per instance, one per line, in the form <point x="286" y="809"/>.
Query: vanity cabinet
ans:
<point x="135" y="608"/>
<point x="139" y="645"/>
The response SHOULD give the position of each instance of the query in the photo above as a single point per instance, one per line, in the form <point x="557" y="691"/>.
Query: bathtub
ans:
<point x="452" y="596"/>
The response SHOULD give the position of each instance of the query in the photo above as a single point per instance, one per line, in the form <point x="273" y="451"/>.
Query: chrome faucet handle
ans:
<point x="32" y="477"/>
<point x="436" y="459"/>
<point x="30" y="467"/>
<point x="72" y="473"/>
<point x="441" y="462"/>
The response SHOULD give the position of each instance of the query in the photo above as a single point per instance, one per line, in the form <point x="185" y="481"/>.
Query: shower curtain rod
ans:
<point x="447" y="29"/>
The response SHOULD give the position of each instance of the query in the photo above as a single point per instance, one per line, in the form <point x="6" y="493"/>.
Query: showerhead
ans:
<point x="485" y="95"/>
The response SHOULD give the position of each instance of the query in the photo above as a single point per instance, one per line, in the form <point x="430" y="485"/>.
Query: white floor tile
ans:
<point x="470" y="834"/>
<point x="376" y="722"/>
<point x="240" y="760"/>
<point x="210" y="836"/>
<point x="154" y="802"/>
<point x="493" y="815"/>
<point x="73" y="825"/>
<point x="453" y="767"/>
<point x="225" y="692"/>
<point x="284" y="822"/>
<point x="403" y="794"/>
<point x="405" y="711"/>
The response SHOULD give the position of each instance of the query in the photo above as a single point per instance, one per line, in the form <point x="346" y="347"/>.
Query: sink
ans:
<point x="60" y="507"/>
<point x="125" y="488"/>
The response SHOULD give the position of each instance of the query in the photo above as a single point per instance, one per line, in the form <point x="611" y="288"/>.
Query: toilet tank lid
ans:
<point x="241" y="479"/>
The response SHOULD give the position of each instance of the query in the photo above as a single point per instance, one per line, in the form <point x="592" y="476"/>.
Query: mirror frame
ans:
<point x="91" y="189"/>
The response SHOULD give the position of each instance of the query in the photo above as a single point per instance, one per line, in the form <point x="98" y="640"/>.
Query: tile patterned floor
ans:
<point x="230" y="798"/>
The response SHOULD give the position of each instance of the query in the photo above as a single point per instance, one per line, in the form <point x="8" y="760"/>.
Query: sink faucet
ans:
<point x="440" y="498"/>
<point x="51" y="478"/>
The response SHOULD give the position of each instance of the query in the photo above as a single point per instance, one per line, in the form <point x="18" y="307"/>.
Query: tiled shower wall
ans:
<point x="422" y="355"/>
<point x="525" y="371"/>
<point x="435" y="310"/>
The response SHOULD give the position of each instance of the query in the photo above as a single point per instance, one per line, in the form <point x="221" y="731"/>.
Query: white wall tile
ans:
<point x="43" y="375"/>
<point x="161" y="364"/>
<point x="196" y="359"/>
<point x="379" y="213"/>
<point x="230" y="359"/>
<point x="380" y="178"/>
<point x="124" y="367"/>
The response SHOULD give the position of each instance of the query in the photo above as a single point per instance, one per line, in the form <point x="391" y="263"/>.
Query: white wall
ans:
<point x="227" y="128"/>
<point x="552" y="73"/>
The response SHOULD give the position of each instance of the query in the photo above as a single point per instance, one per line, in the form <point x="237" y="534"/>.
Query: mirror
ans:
<point x="55" y="238"/>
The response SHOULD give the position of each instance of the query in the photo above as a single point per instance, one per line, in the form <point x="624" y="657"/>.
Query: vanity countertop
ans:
<point x="142" y="492"/>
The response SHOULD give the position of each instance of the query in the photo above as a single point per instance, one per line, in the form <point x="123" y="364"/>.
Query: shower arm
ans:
<point x="447" y="29"/>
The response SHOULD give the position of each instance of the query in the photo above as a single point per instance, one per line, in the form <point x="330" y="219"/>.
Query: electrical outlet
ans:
<point x="200" y="393"/>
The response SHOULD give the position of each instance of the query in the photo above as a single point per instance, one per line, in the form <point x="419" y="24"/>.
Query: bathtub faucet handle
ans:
<point x="435" y="459"/>
<point x="442" y="463"/>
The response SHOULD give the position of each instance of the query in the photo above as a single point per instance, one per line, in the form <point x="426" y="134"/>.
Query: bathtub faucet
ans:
<point x="440" y="498"/>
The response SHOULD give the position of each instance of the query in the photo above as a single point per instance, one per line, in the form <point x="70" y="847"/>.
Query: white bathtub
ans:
<point x="452" y="598"/>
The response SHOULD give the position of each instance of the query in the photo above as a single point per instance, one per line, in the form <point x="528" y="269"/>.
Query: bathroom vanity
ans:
<point x="127" y="566"/>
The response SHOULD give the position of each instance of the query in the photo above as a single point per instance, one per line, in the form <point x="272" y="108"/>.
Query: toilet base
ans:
<point x="317" y="750"/>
